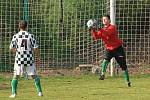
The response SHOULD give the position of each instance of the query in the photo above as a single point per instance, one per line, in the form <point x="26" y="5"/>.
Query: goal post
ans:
<point x="112" y="18"/>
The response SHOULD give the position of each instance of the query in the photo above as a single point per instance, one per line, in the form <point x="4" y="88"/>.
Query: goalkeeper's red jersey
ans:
<point x="109" y="35"/>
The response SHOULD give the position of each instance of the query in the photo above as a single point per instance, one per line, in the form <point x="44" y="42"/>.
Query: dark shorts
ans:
<point x="118" y="54"/>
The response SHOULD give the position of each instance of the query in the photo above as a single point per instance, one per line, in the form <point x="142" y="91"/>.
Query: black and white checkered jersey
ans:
<point x="24" y="42"/>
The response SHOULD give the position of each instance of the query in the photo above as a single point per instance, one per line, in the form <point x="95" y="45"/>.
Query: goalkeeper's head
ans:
<point x="22" y="24"/>
<point x="106" y="20"/>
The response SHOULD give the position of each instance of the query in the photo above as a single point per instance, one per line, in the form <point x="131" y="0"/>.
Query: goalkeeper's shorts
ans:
<point x="119" y="55"/>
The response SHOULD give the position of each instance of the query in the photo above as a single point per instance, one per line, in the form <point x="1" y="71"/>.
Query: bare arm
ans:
<point x="37" y="52"/>
<point x="13" y="50"/>
<point x="37" y="55"/>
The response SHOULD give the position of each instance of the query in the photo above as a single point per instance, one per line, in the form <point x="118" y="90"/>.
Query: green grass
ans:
<point x="85" y="87"/>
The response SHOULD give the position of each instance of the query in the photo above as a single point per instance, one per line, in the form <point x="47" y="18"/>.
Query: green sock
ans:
<point x="38" y="84"/>
<point x="14" y="83"/>
<point x="104" y="66"/>
<point x="126" y="75"/>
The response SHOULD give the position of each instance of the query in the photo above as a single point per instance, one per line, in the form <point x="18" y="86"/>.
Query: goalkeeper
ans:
<point x="24" y="45"/>
<point x="113" y="45"/>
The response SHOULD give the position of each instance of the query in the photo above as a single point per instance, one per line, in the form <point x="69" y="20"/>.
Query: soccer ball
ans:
<point x="91" y="23"/>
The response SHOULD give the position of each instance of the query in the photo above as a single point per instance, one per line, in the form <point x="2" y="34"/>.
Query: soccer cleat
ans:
<point x="101" y="77"/>
<point x="13" y="96"/>
<point x="40" y="94"/>
<point x="129" y="84"/>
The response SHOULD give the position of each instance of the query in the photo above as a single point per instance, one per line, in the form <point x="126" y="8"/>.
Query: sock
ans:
<point x="104" y="66"/>
<point x="38" y="84"/>
<point x="126" y="75"/>
<point x="14" y="83"/>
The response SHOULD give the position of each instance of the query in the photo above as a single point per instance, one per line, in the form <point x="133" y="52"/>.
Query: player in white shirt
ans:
<point x="24" y="45"/>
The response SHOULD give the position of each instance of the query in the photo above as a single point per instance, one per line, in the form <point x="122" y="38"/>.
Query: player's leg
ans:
<point x="104" y="66"/>
<point x="18" y="70"/>
<point x="37" y="84"/>
<point x="105" y="63"/>
<point x="103" y="70"/>
<point x="121" y="60"/>
<point x="14" y="84"/>
<point x="31" y="70"/>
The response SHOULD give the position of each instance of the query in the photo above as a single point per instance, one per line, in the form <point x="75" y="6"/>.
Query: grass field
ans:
<point x="84" y="87"/>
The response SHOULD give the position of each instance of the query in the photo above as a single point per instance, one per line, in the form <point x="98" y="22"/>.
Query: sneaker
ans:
<point x="13" y="96"/>
<point x="129" y="84"/>
<point x="101" y="77"/>
<point x="40" y="94"/>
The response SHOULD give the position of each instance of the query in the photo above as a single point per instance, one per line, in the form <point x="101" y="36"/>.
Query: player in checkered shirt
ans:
<point x="24" y="45"/>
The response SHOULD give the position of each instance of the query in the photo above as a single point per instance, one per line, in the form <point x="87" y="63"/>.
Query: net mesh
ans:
<point x="134" y="25"/>
<point x="64" y="40"/>
<point x="59" y="26"/>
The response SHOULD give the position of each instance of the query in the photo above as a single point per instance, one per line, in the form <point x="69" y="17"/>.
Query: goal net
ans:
<point x="133" y="20"/>
<point x="64" y="40"/>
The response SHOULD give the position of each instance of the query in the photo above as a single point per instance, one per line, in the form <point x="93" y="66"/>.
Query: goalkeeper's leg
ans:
<point x="104" y="67"/>
<point x="121" y="59"/>
<point x="37" y="84"/>
<point x="126" y="75"/>
<point x="107" y="56"/>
